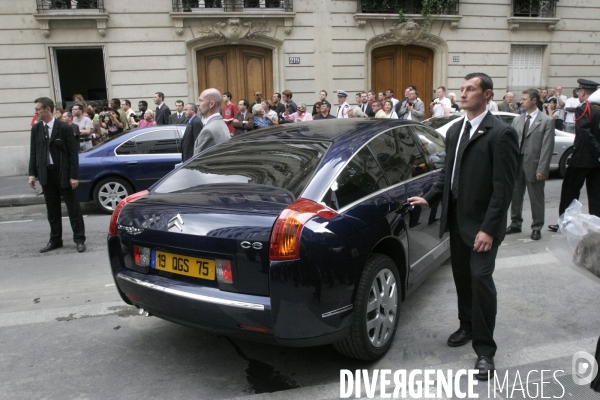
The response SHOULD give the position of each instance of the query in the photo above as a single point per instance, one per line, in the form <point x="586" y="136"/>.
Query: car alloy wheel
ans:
<point x="564" y="162"/>
<point x="376" y="308"/>
<point x="109" y="192"/>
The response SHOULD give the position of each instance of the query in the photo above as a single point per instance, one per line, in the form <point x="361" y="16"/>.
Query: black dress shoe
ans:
<point x="512" y="229"/>
<point x="51" y="246"/>
<point x="536" y="235"/>
<point x="553" y="228"/>
<point x="486" y="368"/>
<point x="459" y="338"/>
<point x="80" y="247"/>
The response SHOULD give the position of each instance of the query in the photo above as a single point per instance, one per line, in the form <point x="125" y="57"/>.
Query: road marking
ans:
<point x="68" y="217"/>
<point x="110" y="284"/>
<point x="16" y="222"/>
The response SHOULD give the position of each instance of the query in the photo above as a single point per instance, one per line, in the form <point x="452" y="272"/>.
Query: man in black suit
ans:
<point x="54" y="162"/>
<point x="192" y="130"/>
<point x="162" y="113"/>
<point x="584" y="165"/>
<point x="178" y="117"/>
<point x="475" y="188"/>
<point x="364" y="105"/>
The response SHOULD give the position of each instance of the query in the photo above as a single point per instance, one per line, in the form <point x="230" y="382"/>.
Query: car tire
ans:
<point x="376" y="309"/>
<point x="109" y="192"/>
<point x="564" y="161"/>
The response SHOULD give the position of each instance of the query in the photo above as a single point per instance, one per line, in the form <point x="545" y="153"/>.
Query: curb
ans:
<point x="22" y="200"/>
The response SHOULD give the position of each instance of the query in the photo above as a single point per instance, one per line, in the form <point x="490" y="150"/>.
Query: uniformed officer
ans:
<point x="344" y="107"/>
<point x="584" y="165"/>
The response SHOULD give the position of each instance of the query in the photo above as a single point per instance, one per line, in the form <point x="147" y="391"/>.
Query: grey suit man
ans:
<point x="413" y="108"/>
<point x="536" y="138"/>
<point x="215" y="130"/>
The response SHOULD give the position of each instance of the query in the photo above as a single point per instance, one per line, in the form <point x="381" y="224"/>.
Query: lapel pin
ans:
<point x="479" y="131"/>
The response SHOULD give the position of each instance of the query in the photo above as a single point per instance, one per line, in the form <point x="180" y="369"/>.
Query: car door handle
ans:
<point x="131" y="162"/>
<point x="405" y="208"/>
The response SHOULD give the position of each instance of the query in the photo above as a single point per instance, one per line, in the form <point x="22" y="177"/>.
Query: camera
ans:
<point x="410" y="103"/>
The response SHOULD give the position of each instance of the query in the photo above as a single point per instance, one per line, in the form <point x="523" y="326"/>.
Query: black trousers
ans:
<point x="477" y="300"/>
<point x="572" y="184"/>
<point x="52" y="196"/>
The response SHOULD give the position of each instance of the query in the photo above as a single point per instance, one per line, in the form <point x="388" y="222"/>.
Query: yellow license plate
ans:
<point x="183" y="265"/>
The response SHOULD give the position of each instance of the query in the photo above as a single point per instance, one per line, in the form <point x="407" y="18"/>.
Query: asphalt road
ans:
<point x="65" y="333"/>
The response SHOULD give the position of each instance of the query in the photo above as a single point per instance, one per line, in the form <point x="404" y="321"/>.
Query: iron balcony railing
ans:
<point x="231" y="5"/>
<point x="46" y="5"/>
<point x="534" y="8"/>
<point x="441" y="7"/>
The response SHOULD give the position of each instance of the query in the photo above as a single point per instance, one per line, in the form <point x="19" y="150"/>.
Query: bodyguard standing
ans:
<point x="536" y="138"/>
<point x="584" y="165"/>
<point x="475" y="188"/>
<point x="192" y="130"/>
<point x="54" y="162"/>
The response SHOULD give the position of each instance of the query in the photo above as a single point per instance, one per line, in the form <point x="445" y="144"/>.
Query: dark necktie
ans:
<point x="464" y="140"/>
<point x="47" y="136"/>
<point x="525" y="130"/>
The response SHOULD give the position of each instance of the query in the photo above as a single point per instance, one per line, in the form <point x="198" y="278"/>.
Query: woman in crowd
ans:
<point x="454" y="107"/>
<point x="299" y="115"/>
<point x="389" y="110"/>
<point x="79" y="99"/>
<point x="58" y="113"/>
<point x="148" y="119"/>
<point x="550" y="110"/>
<point x="271" y="115"/>
<point x="260" y="119"/>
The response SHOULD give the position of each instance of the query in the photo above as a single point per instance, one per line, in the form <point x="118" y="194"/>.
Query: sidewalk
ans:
<point x="15" y="191"/>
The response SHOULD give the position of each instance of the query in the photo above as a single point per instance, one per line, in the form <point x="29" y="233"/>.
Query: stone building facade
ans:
<point x="131" y="49"/>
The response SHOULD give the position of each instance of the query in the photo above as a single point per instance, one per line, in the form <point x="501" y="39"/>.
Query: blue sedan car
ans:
<point x="128" y="163"/>
<point x="298" y="235"/>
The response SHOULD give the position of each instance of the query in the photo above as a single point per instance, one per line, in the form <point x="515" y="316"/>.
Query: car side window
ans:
<point x="398" y="154"/>
<point x="126" y="148"/>
<point x="359" y="178"/>
<point x="156" y="142"/>
<point x="433" y="144"/>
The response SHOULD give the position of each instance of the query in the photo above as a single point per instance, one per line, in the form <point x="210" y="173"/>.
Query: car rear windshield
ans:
<point x="441" y="121"/>
<point x="286" y="164"/>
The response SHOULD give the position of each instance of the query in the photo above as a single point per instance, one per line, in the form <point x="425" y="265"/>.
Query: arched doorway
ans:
<point x="397" y="67"/>
<point x="241" y="70"/>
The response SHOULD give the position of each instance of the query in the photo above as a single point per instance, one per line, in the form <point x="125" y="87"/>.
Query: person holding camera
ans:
<point x="111" y="122"/>
<point x="441" y="104"/>
<point x="413" y="108"/>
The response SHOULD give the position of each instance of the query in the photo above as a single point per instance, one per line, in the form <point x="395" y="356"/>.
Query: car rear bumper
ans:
<point x="206" y="308"/>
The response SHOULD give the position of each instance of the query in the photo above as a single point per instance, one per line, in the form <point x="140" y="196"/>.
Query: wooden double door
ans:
<point x="397" y="67"/>
<point x="240" y="70"/>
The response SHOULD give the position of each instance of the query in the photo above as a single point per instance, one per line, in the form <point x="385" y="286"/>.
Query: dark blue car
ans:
<point x="128" y="163"/>
<point x="297" y="235"/>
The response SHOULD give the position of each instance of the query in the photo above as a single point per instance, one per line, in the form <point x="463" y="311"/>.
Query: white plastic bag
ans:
<point x="595" y="97"/>
<point x="579" y="241"/>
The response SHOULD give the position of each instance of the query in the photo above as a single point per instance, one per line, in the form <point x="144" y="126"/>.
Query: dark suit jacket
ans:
<point x="369" y="110"/>
<point x="161" y="115"/>
<point x="239" y="126"/>
<point x="189" y="138"/>
<point x="64" y="149"/>
<point x="586" y="148"/>
<point x="173" y="119"/>
<point x="486" y="182"/>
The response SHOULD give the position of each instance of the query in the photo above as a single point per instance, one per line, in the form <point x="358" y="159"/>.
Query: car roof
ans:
<point x="121" y="137"/>
<point x="338" y="130"/>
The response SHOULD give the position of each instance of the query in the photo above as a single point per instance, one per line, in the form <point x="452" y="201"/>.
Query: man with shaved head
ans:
<point x="215" y="130"/>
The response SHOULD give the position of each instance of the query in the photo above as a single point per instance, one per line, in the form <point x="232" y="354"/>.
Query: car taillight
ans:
<point x="224" y="272"/>
<point x="112" y="228"/>
<point x="141" y="256"/>
<point x="285" y="237"/>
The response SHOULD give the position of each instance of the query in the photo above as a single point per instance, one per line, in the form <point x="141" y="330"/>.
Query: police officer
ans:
<point x="584" y="165"/>
<point x="344" y="107"/>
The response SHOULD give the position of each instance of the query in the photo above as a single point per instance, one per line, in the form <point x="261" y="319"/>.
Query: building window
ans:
<point x="525" y="67"/>
<point x="534" y="8"/>
<point x="44" y="5"/>
<point x="231" y="5"/>
<point x="437" y="7"/>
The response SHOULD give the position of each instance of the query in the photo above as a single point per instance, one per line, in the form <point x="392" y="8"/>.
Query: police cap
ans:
<point x="342" y="93"/>
<point x="587" y="84"/>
